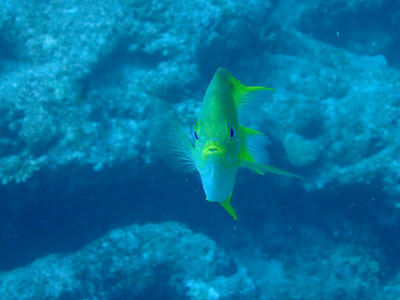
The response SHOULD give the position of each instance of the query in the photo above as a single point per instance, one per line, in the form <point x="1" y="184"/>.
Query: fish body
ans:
<point x="216" y="151"/>
<point x="221" y="143"/>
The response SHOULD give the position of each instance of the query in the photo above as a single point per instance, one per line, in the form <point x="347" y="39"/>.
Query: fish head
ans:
<point x="215" y="143"/>
<point x="216" y="152"/>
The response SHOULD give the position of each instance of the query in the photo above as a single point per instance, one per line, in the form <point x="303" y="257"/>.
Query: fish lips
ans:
<point x="213" y="150"/>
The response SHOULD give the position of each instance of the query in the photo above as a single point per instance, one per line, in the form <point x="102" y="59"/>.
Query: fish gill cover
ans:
<point x="88" y="210"/>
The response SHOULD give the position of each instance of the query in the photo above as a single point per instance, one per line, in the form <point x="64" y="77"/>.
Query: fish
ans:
<point x="221" y="143"/>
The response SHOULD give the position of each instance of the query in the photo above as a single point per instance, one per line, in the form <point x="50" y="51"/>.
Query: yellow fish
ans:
<point x="220" y="143"/>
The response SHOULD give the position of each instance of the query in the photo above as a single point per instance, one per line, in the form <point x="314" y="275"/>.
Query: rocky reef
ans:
<point x="152" y="261"/>
<point x="169" y="261"/>
<point x="83" y="87"/>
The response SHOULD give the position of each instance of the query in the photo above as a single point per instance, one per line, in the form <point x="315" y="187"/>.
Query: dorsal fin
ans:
<point x="248" y="99"/>
<point x="241" y="93"/>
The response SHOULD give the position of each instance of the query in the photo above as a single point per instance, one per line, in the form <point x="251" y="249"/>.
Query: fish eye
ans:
<point x="196" y="137"/>
<point x="232" y="132"/>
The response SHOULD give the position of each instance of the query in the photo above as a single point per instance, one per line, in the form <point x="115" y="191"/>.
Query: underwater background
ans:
<point x="89" y="209"/>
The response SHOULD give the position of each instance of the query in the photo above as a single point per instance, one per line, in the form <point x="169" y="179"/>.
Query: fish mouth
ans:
<point x="212" y="149"/>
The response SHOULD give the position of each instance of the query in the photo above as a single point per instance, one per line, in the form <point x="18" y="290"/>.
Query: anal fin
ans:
<point x="228" y="207"/>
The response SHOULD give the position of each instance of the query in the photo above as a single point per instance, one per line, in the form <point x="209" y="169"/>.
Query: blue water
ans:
<point x="84" y="89"/>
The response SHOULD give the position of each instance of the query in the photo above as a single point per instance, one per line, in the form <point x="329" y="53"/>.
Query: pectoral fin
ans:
<point x="228" y="207"/>
<point x="175" y="146"/>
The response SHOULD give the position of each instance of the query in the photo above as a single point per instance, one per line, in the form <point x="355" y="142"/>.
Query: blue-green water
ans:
<point x="89" y="210"/>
